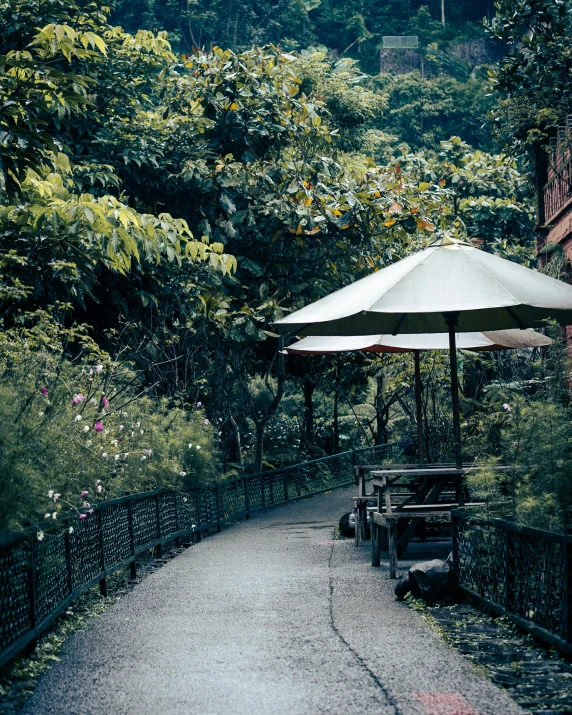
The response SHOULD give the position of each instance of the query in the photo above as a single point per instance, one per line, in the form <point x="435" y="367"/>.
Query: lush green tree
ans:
<point x="534" y="76"/>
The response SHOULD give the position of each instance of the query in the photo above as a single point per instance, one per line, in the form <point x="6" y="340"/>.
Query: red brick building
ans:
<point x="554" y="202"/>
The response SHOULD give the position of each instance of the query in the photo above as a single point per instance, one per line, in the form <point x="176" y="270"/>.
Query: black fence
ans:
<point x="39" y="578"/>
<point x="519" y="572"/>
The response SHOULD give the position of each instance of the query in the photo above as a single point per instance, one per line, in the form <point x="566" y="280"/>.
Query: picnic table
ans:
<point x="403" y="497"/>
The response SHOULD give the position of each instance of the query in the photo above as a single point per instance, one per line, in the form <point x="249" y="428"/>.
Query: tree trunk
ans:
<point x="380" y="413"/>
<point x="259" y="446"/>
<point x="262" y="420"/>
<point x="336" y="422"/>
<point x="308" y="437"/>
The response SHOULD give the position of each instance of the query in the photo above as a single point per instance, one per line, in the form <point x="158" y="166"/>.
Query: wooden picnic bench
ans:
<point x="362" y="500"/>
<point x="433" y="491"/>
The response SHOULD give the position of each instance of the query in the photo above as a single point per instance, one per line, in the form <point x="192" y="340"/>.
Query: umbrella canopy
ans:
<point x="450" y="282"/>
<point x="490" y="340"/>
<point x="412" y="296"/>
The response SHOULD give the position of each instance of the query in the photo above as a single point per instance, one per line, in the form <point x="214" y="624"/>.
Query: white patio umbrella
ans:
<point x="451" y="283"/>
<point x="480" y="341"/>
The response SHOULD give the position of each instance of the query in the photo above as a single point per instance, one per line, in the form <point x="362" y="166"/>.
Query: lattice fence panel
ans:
<point x="85" y="551"/>
<point x="481" y="559"/>
<point x="14" y="592"/>
<point x="51" y="574"/>
<point x="537" y="578"/>
<point x="117" y="542"/>
<point x="144" y="521"/>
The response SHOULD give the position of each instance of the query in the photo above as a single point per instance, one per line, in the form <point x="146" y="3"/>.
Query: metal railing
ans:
<point x="39" y="579"/>
<point x="517" y="571"/>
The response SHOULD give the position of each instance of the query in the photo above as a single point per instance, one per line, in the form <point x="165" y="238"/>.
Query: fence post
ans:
<point x="217" y="503"/>
<point x="568" y="586"/>
<point x="285" y="486"/>
<point x="246" y="497"/>
<point x="69" y="573"/>
<point x="176" y="510"/>
<point x="455" y="544"/>
<point x="132" y="564"/>
<point x="32" y="594"/>
<point x="159" y="547"/>
<point x="509" y="560"/>
<point x="103" y="581"/>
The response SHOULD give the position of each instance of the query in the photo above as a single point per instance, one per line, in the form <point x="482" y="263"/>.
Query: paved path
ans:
<point x="270" y="617"/>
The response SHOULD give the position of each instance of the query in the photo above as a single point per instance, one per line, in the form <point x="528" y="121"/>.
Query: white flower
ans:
<point x="116" y="457"/>
<point x="86" y="428"/>
<point x="125" y="455"/>
<point x="198" y="446"/>
<point x="143" y="457"/>
<point x="40" y="414"/>
<point x="99" y="488"/>
<point x="184" y="498"/>
<point x="54" y="515"/>
<point x="142" y="432"/>
<point x="104" y="455"/>
<point x="92" y="401"/>
<point x="51" y="493"/>
<point x="124" y="414"/>
<point x="120" y="428"/>
<point x="47" y="516"/>
<point x="98" y="369"/>
<point x="190" y="445"/>
<point x="138" y="424"/>
<point x="56" y="497"/>
<point x="182" y="474"/>
<point x="78" y="418"/>
<point x="40" y="535"/>
<point x="87" y="505"/>
<point x="70" y="530"/>
<point x="89" y="442"/>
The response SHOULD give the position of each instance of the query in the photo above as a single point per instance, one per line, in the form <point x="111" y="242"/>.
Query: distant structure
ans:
<point x="400" y="42"/>
<point x="554" y="194"/>
<point x="553" y="178"/>
<point x="407" y="60"/>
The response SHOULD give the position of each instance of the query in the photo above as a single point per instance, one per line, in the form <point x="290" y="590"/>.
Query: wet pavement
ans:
<point x="272" y="616"/>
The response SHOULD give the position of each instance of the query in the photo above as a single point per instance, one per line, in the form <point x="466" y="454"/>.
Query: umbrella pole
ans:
<point x="418" y="405"/>
<point x="452" y="322"/>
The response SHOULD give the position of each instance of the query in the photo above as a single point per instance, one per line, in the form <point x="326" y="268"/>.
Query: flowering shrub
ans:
<point x="77" y="431"/>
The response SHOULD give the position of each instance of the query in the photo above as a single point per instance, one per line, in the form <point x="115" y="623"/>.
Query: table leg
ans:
<point x="392" y="547"/>
<point x="375" y="545"/>
<point x="357" y="535"/>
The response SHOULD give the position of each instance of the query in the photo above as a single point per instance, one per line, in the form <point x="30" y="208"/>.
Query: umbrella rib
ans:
<point x="516" y="319"/>
<point x="401" y="319"/>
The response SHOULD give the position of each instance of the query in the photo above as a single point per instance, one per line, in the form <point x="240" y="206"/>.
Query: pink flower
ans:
<point x="506" y="407"/>
<point x="199" y="404"/>
<point x="105" y="402"/>
<point x="99" y="369"/>
<point x="98" y="427"/>
<point x="84" y="494"/>
<point x="82" y="516"/>
<point x="78" y="398"/>
<point x="206" y="422"/>
<point x="44" y="391"/>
